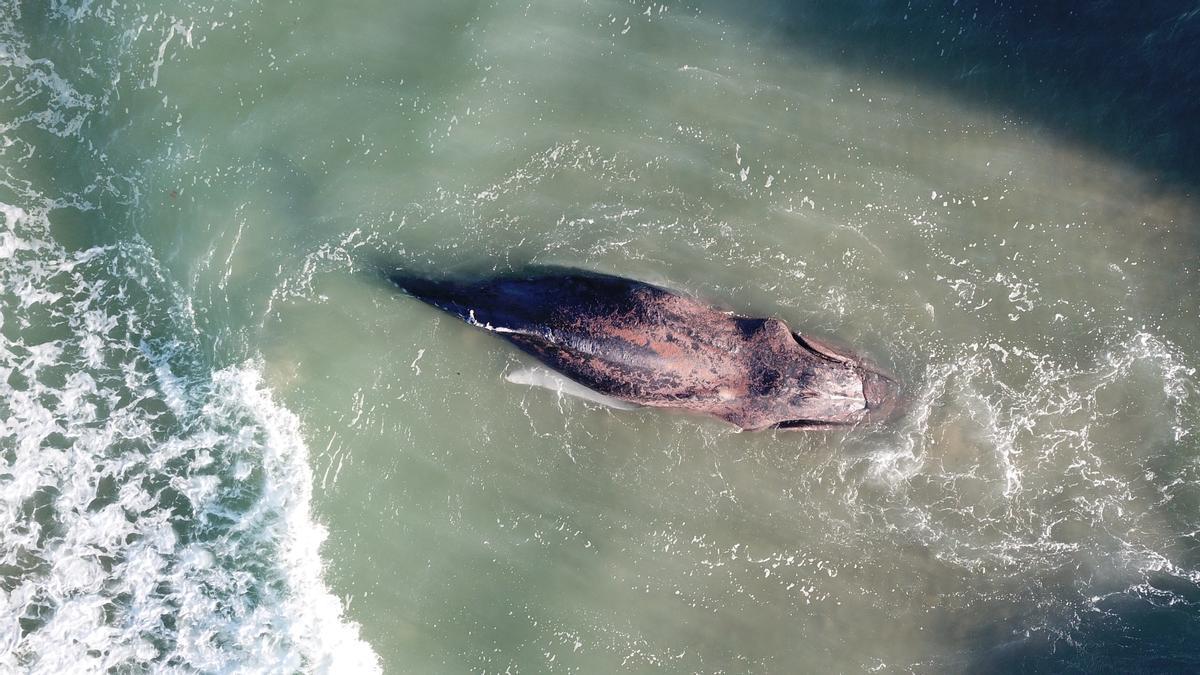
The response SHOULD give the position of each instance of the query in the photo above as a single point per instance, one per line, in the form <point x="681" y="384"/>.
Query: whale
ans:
<point x="630" y="344"/>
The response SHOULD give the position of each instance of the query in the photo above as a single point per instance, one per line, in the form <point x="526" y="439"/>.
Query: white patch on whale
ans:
<point x="548" y="379"/>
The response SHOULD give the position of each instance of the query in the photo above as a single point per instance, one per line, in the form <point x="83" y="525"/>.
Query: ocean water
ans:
<point x="225" y="446"/>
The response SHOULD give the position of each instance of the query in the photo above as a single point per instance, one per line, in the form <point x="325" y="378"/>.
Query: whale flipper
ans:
<point x="548" y="379"/>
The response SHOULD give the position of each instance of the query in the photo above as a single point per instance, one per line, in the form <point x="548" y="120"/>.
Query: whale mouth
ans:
<point x="816" y="425"/>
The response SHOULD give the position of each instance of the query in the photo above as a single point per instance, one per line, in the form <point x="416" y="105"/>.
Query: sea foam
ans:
<point x="154" y="512"/>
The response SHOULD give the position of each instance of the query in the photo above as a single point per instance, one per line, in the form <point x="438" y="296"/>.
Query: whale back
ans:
<point x="530" y="302"/>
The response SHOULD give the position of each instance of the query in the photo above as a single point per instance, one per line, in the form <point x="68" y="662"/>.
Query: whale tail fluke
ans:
<point x="502" y="305"/>
<point x="419" y="287"/>
<point x="446" y="295"/>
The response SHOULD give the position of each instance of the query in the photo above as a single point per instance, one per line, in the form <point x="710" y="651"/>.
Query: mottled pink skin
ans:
<point x="650" y="346"/>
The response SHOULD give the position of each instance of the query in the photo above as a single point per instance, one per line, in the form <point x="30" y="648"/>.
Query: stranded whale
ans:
<point x="628" y="343"/>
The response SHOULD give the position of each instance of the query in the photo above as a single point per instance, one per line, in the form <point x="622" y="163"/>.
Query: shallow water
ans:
<point x="226" y="445"/>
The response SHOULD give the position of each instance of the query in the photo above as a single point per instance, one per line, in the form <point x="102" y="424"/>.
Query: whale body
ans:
<point x="633" y="343"/>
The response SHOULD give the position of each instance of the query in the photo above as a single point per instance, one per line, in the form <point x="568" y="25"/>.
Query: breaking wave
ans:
<point x="150" y="512"/>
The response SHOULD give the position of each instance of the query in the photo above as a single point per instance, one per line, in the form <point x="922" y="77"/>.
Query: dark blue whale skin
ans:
<point x="651" y="346"/>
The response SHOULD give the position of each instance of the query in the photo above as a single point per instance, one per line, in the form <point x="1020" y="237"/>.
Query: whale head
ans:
<point x="825" y="387"/>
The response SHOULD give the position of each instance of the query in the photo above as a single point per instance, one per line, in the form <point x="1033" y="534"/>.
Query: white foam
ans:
<point x="328" y="642"/>
<point x="1016" y="440"/>
<point x="158" y="516"/>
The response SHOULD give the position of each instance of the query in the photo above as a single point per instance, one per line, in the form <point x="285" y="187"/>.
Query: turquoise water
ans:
<point x="227" y="447"/>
